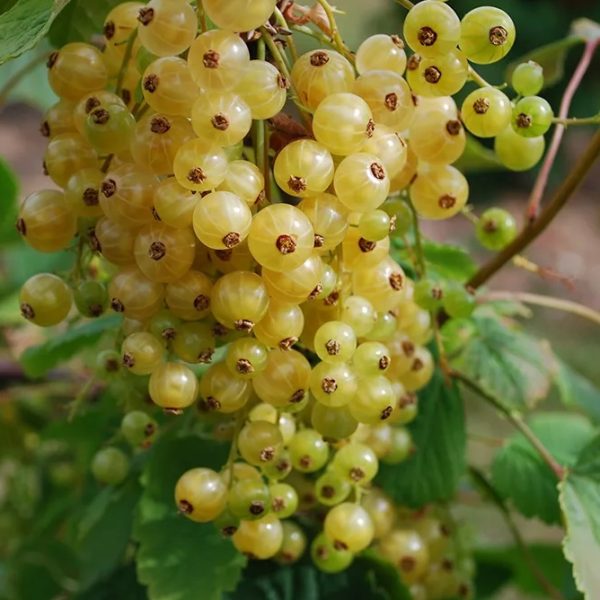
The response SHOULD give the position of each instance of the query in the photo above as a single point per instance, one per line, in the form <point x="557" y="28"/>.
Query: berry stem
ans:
<point x="487" y="490"/>
<point x="407" y="4"/>
<point x="537" y="192"/>
<point x="477" y="78"/>
<point x="516" y="419"/>
<point x="290" y="38"/>
<point x="548" y="301"/>
<point x="338" y="42"/>
<point x="418" y="246"/>
<point x="261" y="150"/>
<point x="125" y="62"/>
<point x="201" y="17"/>
<point x="79" y="400"/>
<point x="595" y="120"/>
<point x="534" y="228"/>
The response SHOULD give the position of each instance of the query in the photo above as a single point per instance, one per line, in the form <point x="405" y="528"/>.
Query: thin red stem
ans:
<point x="542" y="179"/>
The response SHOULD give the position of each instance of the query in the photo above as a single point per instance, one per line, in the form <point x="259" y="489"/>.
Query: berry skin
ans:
<point x="138" y="428"/>
<point x="516" y="152"/>
<point x="486" y="34"/>
<point x="381" y="52"/>
<point x="201" y="495"/>
<point x="528" y="78"/>
<point x="439" y="192"/>
<point x="486" y="112"/>
<point x="458" y="301"/>
<point x="45" y="300"/>
<point x="349" y="526"/>
<point x="429" y="294"/>
<point x="263" y="89"/>
<point x="91" y="298"/>
<point x="361" y="182"/>
<point x="141" y="353"/>
<point x="328" y="557"/>
<point x="110" y="466"/>
<point x="431" y="28"/>
<point x="308" y="451"/>
<point x="442" y="75"/>
<point x="496" y="228"/>
<point x="259" y="539"/>
<point x="173" y="386"/>
<point x="239" y="15"/>
<point x="532" y="116"/>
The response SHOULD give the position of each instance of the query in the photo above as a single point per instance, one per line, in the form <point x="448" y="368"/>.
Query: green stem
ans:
<point x="487" y="489"/>
<point x="338" y="42"/>
<point x="422" y="270"/>
<point x="290" y="39"/>
<point x="407" y="4"/>
<point x="516" y="419"/>
<point x="477" y="78"/>
<point x="533" y="229"/>
<point x="202" y="17"/>
<point x="125" y="63"/>
<point x="77" y="403"/>
<point x="106" y="164"/>
<point x="13" y="81"/>
<point x="595" y="120"/>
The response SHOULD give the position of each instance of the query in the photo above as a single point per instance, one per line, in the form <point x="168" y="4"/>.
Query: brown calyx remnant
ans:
<point x="319" y="240"/>
<point x="109" y="30"/>
<point x="196" y="175"/>
<point x="244" y="366"/>
<point x="220" y="122"/>
<point x="497" y="35"/>
<point x="396" y="281"/>
<point x="151" y="83"/>
<point x="21" y="226"/>
<point x="417" y="365"/>
<point x="149" y="429"/>
<point x="339" y="545"/>
<point x="277" y="504"/>
<point x="408" y="348"/>
<point x="413" y="62"/>
<point x="356" y="474"/>
<point x="211" y="59"/>
<point x="366" y="245"/>
<point x="27" y="311"/>
<point x="108" y="188"/>
<point x="145" y="16"/>
<point x="370" y="128"/>
<point x="297" y="184"/>
<point x="201" y="302"/>
<point x="432" y="74"/>
<point x="224" y="255"/>
<point x="170" y="410"/>
<point x="378" y="171"/>
<point x="45" y="129"/>
<point x="211" y="403"/>
<point x="453" y="127"/>
<point x="230" y="240"/>
<point x="228" y="530"/>
<point x="205" y="356"/>
<point x="244" y="325"/>
<point x="397" y="41"/>
<point x="490" y="226"/>
<point x="305" y="461"/>
<point x="52" y="58"/>
<point x="437" y="293"/>
<point x="328" y="491"/>
<point x="155" y="214"/>
<point x="297" y="396"/>
<point x="329" y="385"/>
<point x="168" y="334"/>
<point x="185" y="507"/>
<point x="100" y="116"/>
<point x="111" y="365"/>
<point x="90" y="104"/>
<point x="427" y="36"/>
<point x="332" y="298"/>
<point x="256" y="508"/>
<point x="407" y="563"/>
<point x="157" y="250"/>
<point x="282" y="82"/>
<point x="286" y="244"/>
<point x="117" y="305"/>
<point x="128" y="360"/>
<point x="481" y="106"/>
<point x="447" y="201"/>
<point x="319" y="58"/>
<point x="159" y="124"/>
<point x="94" y="242"/>
<point x="126" y="96"/>
<point x="391" y="101"/>
<point x="267" y="454"/>
<point x="315" y="292"/>
<point x="90" y="196"/>
<point x="95" y="310"/>
<point x="333" y="347"/>
<point x="384" y="362"/>
<point x="524" y="121"/>
<point x="287" y="342"/>
<point x="219" y="330"/>
<point x="386" y="413"/>
<point x="407" y="399"/>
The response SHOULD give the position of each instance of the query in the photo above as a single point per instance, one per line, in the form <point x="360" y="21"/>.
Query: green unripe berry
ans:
<point x="400" y="217"/>
<point x="91" y="298"/>
<point x="429" y="294"/>
<point x="458" y="301"/>
<point x="496" y="228"/>
<point x="528" y="78"/>
<point x="138" y="428"/>
<point x="532" y="116"/>
<point x="110" y="466"/>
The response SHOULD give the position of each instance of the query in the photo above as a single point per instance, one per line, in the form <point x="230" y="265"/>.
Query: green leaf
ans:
<point x="38" y="360"/>
<point x="9" y="190"/>
<point x="448" y="262"/>
<point x="476" y="158"/>
<point x="433" y="471"/>
<point x="368" y="577"/>
<point x="81" y="20"/>
<point x="177" y="558"/>
<point x="104" y="530"/>
<point x="519" y="473"/>
<point x="575" y="390"/>
<point x="551" y="57"/>
<point x="579" y="501"/>
<point x="508" y="364"/>
<point x="122" y="585"/>
<point x="499" y="566"/>
<point x="25" y="24"/>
